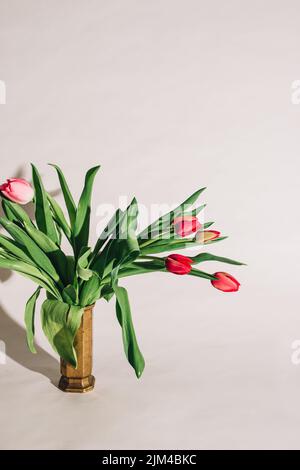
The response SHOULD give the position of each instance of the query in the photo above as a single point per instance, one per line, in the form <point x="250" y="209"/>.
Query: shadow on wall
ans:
<point x="14" y="336"/>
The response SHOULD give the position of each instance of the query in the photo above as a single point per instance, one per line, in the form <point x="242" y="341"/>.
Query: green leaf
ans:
<point x="196" y="211"/>
<point x="130" y="344"/>
<point x="57" y="256"/>
<point x="60" y="323"/>
<point x="82" y="264"/>
<point x="109" y="230"/>
<point x="70" y="269"/>
<point x="161" y="246"/>
<point x="142" y="267"/>
<point x="69" y="201"/>
<point x="90" y="291"/>
<point x="123" y="247"/>
<point x="59" y="217"/>
<point x="166" y="219"/>
<point x="15" y="248"/>
<point x="43" y="214"/>
<point x="210" y="257"/>
<point x="207" y="225"/>
<point x="29" y="319"/>
<point x="69" y="295"/>
<point x="82" y="221"/>
<point x="33" y="250"/>
<point x="198" y="273"/>
<point x="7" y="211"/>
<point x="127" y="248"/>
<point x="30" y="272"/>
<point x="15" y="212"/>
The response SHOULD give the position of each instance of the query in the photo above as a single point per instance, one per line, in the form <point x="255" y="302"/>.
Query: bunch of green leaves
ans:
<point x="78" y="279"/>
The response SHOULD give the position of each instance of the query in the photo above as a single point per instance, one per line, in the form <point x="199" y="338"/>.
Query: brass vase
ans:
<point x="80" y="380"/>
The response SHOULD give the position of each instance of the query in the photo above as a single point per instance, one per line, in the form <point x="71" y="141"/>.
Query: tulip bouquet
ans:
<point x="75" y="280"/>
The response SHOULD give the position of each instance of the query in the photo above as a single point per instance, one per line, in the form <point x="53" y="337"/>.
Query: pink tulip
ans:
<point x="225" y="282"/>
<point x="186" y="225"/>
<point x="207" y="235"/>
<point x="178" y="264"/>
<point x="17" y="190"/>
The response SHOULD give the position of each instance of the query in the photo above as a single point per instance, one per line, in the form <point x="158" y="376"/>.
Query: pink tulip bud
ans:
<point x="178" y="264"/>
<point x="186" y="225"/>
<point x="17" y="190"/>
<point x="225" y="282"/>
<point x="207" y="235"/>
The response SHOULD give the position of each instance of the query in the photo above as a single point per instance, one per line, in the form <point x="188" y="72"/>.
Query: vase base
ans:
<point x="76" y="385"/>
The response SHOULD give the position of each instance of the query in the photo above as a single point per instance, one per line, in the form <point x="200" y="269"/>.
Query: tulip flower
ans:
<point x="207" y="235"/>
<point x="178" y="264"/>
<point x="17" y="190"/>
<point x="225" y="282"/>
<point x="186" y="225"/>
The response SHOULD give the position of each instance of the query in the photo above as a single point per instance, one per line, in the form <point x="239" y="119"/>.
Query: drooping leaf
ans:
<point x="31" y="272"/>
<point x="55" y="254"/>
<point x="130" y="344"/>
<point x="43" y="214"/>
<point x="69" y="201"/>
<point x="60" y="323"/>
<point x="15" y="212"/>
<point x="15" y="249"/>
<point x="29" y="319"/>
<point x="33" y="250"/>
<point x="82" y="221"/>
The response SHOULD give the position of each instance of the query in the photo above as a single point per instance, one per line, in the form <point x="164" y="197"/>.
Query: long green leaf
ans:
<point x="43" y="214"/>
<point x="60" y="323"/>
<point x="15" y="212"/>
<point x="198" y="273"/>
<point x="29" y="319"/>
<point x="59" y="217"/>
<point x="82" y="221"/>
<point x="15" y="248"/>
<point x="69" y="201"/>
<point x="33" y="250"/>
<point x="130" y="344"/>
<point x="55" y="254"/>
<point x="109" y="230"/>
<point x="210" y="257"/>
<point x="30" y="272"/>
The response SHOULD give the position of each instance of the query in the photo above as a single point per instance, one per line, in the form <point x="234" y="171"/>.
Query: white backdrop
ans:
<point x="167" y="96"/>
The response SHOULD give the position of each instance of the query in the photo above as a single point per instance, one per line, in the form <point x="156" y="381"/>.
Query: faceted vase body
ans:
<point x="80" y="380"/>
